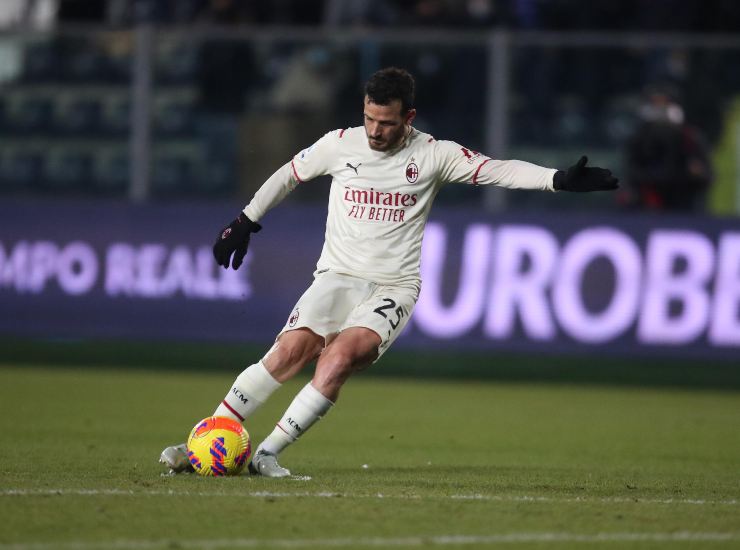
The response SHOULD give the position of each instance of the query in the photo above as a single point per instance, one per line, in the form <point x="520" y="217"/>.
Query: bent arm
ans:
<point x="311" y="162"/>
<point x="274" y="190"/>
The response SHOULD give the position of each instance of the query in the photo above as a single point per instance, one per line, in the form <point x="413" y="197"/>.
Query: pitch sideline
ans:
<point x="384" y="542"/>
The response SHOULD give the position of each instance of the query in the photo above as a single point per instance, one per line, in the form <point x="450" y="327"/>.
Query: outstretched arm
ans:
<point x="517" y="174"/>
<point x="461" y="165"/>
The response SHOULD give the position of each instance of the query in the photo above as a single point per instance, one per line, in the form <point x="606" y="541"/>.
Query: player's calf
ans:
<point x="307" y="408"/>
<point x="250" y="390"/>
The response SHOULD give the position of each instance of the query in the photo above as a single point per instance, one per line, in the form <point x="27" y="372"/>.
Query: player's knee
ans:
<point x="338" y="360"/>
<point x="298" y="353"/>
<point x="303" y="352"/>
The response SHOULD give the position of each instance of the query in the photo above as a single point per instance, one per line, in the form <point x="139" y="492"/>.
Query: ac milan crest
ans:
<point x="412" y="172"/>
<point x="294" y="318"/>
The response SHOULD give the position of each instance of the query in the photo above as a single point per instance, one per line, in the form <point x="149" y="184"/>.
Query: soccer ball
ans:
<point x="218" y="446"/>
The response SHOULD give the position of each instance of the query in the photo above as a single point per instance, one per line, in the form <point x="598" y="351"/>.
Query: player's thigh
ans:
<point x="325" y="305"/>
<point x="386" y="312"/>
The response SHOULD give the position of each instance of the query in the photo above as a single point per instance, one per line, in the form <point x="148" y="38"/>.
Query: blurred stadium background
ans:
<point x="130" y="131"/>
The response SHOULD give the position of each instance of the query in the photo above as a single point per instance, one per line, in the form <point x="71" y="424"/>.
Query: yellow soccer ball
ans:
<point x="219" y="446"/>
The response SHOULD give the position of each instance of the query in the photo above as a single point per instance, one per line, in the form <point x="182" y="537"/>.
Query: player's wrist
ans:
<point x="558" y="180"/>
<point x="247" y="224"/>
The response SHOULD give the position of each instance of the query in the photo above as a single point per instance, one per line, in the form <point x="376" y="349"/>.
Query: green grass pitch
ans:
<point x="398" y="463"/>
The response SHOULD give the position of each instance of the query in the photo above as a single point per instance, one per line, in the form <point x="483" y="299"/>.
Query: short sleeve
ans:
<point x="458" y="164"/>
<point x="316" y="160"/>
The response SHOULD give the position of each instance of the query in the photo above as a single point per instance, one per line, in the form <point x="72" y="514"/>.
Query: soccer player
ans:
<point x="385" y="177"/>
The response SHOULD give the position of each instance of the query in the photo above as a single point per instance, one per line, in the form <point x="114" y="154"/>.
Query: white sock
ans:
<point x="306" y="409"/>
<point x="250" y="390"/>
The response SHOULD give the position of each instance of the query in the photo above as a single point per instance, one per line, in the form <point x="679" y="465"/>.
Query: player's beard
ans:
<point x="391" y="142"/>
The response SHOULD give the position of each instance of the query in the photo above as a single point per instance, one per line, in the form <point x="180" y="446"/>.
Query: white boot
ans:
<point x="176" y="459"/>
<point x="265" y="464"/>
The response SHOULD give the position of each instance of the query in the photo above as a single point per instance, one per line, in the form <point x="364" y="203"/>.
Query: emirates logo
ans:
<point x="412" y="172"/>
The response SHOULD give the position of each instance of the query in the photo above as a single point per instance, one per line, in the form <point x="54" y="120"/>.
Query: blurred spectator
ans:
<point x="667" y="161"/>
<point x="306" y="83"/>
<point x="36" y="14"/>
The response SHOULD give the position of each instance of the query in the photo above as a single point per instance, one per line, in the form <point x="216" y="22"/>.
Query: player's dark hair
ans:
<point x="391" y="83"/>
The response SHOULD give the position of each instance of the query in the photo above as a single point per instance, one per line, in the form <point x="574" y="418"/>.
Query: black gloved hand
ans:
<point x="234" y="238"/>
<point x="580" y="178"/>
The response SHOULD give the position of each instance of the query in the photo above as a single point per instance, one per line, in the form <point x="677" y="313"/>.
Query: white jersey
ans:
<point x="380" y="201"/>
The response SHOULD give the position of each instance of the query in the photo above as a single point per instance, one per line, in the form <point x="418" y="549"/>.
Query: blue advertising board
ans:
<point x="530" y="281"/>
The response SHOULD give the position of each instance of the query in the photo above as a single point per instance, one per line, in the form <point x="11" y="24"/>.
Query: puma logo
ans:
<point x="354" y="167"/>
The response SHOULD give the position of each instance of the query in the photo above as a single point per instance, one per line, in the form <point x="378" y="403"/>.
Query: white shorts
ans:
<point x="335" y="302"/>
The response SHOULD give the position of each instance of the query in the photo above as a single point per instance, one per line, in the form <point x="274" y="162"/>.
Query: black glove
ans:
<point x="580" y="178"/>
<point x="234" y="238"/>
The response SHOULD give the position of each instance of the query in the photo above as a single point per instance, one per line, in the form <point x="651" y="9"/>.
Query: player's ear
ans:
<point x="410" y="116"/>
